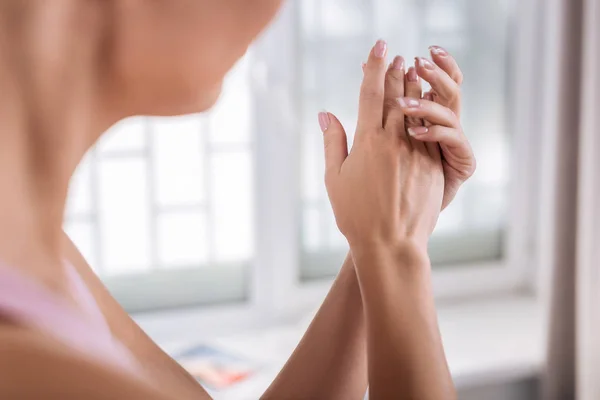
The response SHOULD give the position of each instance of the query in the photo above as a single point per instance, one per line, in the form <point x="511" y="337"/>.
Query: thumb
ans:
<point x="335" y="141"/>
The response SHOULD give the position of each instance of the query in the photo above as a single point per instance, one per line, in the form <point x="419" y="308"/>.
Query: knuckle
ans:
<point x="473" y="168"/>
<point x="390" y="103"/>
<point x="375" y="136"/>
<point x="371" y="94"/>
<point x="458" y="77"/>
<point x="395" y="76"/>
<point x="435" y="131"/>
<point x="454" y="93"/>
<point x="468" y="170"/>
<point x="361" y="137"/>
<point x="451" y="94"/>
<point x="412" y="121"/>
<point x="452" y="117"/>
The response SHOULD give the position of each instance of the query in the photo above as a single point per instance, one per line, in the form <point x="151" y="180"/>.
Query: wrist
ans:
<point x="409" y="244"/>
<point x="405" y="251"/>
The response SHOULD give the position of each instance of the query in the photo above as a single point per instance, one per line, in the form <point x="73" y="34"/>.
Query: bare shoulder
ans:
<point x="35" y="367"/>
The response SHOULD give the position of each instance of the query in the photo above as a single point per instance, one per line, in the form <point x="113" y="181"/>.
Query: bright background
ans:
<point x="166" y="194"/>
<point x="223" y="217"/>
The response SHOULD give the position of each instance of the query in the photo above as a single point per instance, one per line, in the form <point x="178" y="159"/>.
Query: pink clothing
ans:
<point x="25" y="302"/>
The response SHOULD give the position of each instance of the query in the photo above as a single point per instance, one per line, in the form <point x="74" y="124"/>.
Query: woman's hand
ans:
<point x="441" y="111"/>
<point x="390" y="187"/>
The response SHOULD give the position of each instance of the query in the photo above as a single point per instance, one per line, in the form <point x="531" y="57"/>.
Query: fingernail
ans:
<point x="411" y="75"/>
<point x="324" y="121"/>
<point x="406" y="102"/>
<point x="417" y="130"/>
<point x="424" y="63"/>
<point x="438" y="51"/>
<point x="398" y="63"/>
<point x="380" y="48"/>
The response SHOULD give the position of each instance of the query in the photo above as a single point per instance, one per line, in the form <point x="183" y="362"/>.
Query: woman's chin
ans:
<point x="197" y="102"/>
<point x="210" y="98"/>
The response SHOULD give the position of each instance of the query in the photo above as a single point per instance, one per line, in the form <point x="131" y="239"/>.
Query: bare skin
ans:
<point x="386" y="195"/>
<point x="69" y="70"/>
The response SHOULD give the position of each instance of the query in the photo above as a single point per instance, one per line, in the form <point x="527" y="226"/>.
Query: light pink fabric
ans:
<point x="25" y="302"/>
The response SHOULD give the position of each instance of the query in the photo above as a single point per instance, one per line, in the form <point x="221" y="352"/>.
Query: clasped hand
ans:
<point x="409" y="156"/>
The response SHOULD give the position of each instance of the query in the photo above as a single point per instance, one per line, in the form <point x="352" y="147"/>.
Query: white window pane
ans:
<point x="485" y="205"/>
<point x="79" y="201"/>
<point x="231" y="202"/>
<point x="313" y="186"/>
<point x="124" y="216"/>
<point x="309" y="15"/>
<point x="127" y="135"/>
<point x="494" y="149"/>
<point x="231" y="118"/>
<point x="453" y="217"/>
<point x="82" y="235"/>
<point x="178" y="162"/>
<point x="182" y="239"/>
<point x="311" y="229"/>
<point x="344" y="18"/>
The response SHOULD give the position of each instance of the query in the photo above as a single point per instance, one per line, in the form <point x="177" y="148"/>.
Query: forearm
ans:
<point x="406" y="357"/>
<point x="331" y="360"/>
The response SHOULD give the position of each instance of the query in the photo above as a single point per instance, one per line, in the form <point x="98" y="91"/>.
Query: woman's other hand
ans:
<point x="390" y="187"/>
<point x="441" y="110"/>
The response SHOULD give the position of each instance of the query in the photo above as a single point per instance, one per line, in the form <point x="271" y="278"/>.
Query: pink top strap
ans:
<point x="25" y="302"/>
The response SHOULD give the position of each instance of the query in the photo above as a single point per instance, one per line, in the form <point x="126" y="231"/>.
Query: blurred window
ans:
<point x="164" y="208"/>
<point x="169" y="200"/>
<point x="335" y="36"/>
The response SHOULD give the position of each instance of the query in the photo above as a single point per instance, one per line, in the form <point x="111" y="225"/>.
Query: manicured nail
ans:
<point x="407" y="102"/>
<point x="424" y="63"/>
<point x="324" y="121"/>
<point x="438" y="51"/>
<point x="398" y="63"/>
<point x="411" y="75"/>
<point x="417" y="130"/>
<point x="380" y="49"/>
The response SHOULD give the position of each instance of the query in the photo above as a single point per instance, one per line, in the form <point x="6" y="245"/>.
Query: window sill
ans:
<point x="487" y="342"/>
<point x="493" y="341"/>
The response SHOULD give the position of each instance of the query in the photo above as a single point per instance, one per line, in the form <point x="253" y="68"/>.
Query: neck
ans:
<point x="49" y="90"/>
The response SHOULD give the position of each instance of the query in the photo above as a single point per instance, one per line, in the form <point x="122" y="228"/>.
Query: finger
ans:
<point x="370" y="110"/>
<point x="429" y="97"/>
<point x="455" y="147"/>
<point x="393" y="117"/>
<point x="448" y="91"/>
<point x="447" y="63"/>
<point x="412" y="88"/>
<point x="437" y="133"/>
<point x="412" y="84"/>
<point x="335" y="142"/>
<point x="433" y="112"/>
<point x="432" y="147"/>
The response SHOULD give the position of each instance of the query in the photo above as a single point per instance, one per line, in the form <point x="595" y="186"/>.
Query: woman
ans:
<point x="69" y="69"/>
